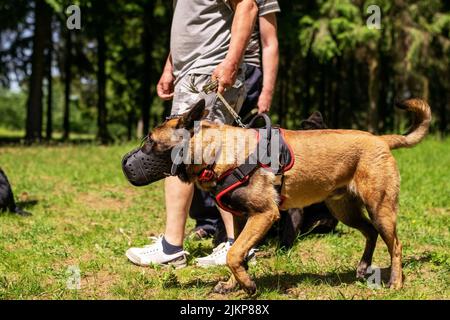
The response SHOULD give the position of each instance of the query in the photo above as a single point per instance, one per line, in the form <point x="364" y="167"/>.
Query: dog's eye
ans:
<point x="148" y="146"/>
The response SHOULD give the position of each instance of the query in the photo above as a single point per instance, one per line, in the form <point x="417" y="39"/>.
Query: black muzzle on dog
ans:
<point x="141" y="168"/>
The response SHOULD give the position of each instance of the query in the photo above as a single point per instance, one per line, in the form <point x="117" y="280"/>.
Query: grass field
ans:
<point x="85" y="216"/>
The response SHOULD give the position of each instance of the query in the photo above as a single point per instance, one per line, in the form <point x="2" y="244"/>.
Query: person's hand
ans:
<point x="165" y="86"/>
<point x="264" y="102"/>
<point x="225" y="73"/>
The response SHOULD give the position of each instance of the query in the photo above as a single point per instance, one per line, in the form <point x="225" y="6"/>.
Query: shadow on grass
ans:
<point x="425" y="256"/>
<point x="282" y="282"/>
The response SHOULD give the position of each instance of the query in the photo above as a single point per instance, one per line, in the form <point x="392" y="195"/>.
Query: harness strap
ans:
<point x="235" y="115"/>
<point x="232" y="180"/>
<point x="237" y="177"/>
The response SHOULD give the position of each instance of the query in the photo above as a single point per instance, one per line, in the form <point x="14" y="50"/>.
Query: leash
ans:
<point x="235" y="115"/>
<point x="212" y="86"/>
<point x="235" y="178"/>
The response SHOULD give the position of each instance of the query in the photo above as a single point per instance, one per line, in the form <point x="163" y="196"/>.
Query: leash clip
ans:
<point x="211" y="87"/>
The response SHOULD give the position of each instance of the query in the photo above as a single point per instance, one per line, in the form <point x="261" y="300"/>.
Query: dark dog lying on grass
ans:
<point x="7" y="202"/>
<point x="315" y="218"/>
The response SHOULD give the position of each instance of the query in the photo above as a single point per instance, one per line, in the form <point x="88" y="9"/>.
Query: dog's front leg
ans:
<point x="256" y="227"/>
<point x="231" y="284"/>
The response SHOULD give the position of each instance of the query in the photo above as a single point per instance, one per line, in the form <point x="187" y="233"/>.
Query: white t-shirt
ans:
<point x="200" y="36"/>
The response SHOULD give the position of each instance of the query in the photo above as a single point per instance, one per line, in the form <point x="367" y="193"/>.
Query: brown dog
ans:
<point x="348" y="169"/>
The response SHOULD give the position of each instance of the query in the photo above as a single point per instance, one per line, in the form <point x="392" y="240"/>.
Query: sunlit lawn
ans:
<point x="85" y="216"/>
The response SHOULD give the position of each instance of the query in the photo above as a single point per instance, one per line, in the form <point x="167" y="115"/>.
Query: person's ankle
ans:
<point x="230" y="240"/>
<point x="169" y="248"/>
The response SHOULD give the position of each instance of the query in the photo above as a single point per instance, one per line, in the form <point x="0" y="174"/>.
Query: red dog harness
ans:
<point x="239" y="176"/>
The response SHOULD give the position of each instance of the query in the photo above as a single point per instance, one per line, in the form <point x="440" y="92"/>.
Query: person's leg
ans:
<point x="235" y="96"/>
<point x="250" y="94"/>
<point x="208" y="217"/>
<point x="228" y="222"/>
<point x="178" y="196"/>
<point x="205" y="213"/>
<point x="168" y="249"/>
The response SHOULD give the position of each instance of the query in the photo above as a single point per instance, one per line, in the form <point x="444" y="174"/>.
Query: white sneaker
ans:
<point x="153" y="254"/>
<point x="219" y="256"/>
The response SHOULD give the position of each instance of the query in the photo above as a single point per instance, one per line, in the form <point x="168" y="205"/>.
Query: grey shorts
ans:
<point x="185" y="97"/>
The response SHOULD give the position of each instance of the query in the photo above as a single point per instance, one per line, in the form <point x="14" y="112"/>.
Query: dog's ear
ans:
<point x="197" y="113"/>
<point x="314" y="122"/>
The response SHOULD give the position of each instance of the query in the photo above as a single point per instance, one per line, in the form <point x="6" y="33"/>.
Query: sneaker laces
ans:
<point x="219" y="249"/>
<point x="152" y="247"/>
<point x="155" y="240"/>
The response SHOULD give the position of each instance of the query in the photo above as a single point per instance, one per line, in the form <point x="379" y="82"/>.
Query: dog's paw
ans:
<point x="361" y="271"/>
<point x="250" y="289"/>
<point x="397" y="285"/>
<point x="224" y="287"/>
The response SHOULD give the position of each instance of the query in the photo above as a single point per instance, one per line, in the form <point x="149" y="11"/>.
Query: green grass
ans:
<point x="86" y="215"/>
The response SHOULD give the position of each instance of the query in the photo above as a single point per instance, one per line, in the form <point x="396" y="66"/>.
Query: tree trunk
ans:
<point x="336" y="92"/>
<point x="444" y="109"/>
<point x="130" y="122"/>
<point x="348" y="113"/>
<point x="284" y="89"/>
<point x="281" y="110"/>
<point x="67" y="85"/>
<point x="166" y="105"/>
<point x="331" y="94"/>
<point x="307" y="91"/>
<point x="103" y="134"/>
<point x="147" y="45"/>
<point x="49" y="127"/>
<point x="34" y="105"/>
<point x="384" y="113"/>
<point x="322" y="90"/>
<point x="281" y="83"/>
<point x="372" y="115"/>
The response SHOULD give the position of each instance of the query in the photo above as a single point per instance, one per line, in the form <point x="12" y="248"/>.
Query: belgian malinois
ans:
<point x="348" y="169"/>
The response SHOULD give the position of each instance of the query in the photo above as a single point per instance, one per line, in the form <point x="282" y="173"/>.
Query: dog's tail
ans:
<point x="419" y="128"/>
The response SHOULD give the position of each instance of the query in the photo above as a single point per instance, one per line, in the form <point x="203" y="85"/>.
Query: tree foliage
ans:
<point x="330" y="61"/>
